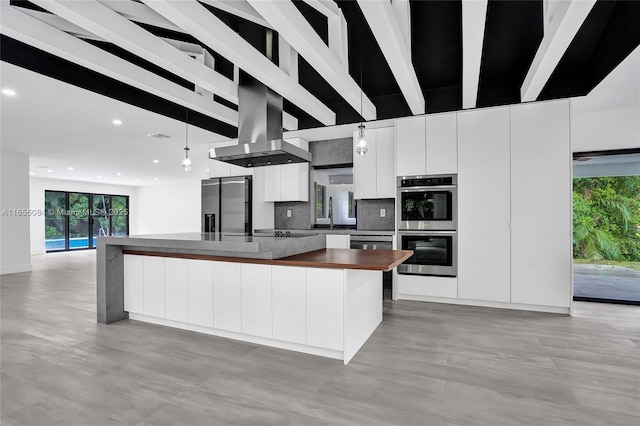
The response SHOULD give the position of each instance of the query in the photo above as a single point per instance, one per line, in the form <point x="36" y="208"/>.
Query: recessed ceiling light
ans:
<point x="137" y="180"/>
<point x="70" y="168"/>
<point x="118" y="174"/>
<point x="49" y="171"/>
<point x="155" y="178"/>
<point x="156" y="161"/>
<point x="99" y="177"/>
<point x="31" y="173"/>
<point x="8" y="92"/>
<point x="117" y="122"/>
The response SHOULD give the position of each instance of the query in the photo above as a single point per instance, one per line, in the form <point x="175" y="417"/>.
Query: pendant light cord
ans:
<point x="186" y="129"/>
<point x="361" y="88"/>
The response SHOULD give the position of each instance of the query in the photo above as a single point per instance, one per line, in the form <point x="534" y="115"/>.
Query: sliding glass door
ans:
<point x="78" y="221"/>
<point x="75" y="220"/>
<point x="55" y="224"/>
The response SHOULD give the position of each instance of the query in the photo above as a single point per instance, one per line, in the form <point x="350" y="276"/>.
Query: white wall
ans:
<point x="38" y="186"/>
<point x="609" y="116"/>
<point x="604" y="130"/>
<point x="163" y="209"/>
<point x="14" y="229"/>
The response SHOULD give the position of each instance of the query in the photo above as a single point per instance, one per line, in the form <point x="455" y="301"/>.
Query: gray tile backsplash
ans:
<point x="331" y="152"/>
<point x="369" y="214"/>
<point x="300" y="215"/>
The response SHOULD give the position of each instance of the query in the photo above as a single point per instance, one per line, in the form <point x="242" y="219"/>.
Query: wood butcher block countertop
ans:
<point x="371" y="260"/>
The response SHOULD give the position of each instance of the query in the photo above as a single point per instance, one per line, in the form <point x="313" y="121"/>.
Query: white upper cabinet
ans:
<point x="483" y="205"/>
<point x="541" y="228"/>
<point x="442" y="144"/>
<point x="374" y="173"/>
<point x="386" y="162"/>
<point x="364" y="167"/>
<point x="288" y="182"/>
<point x="410" y="146"/>
<point x="427" y="145"/>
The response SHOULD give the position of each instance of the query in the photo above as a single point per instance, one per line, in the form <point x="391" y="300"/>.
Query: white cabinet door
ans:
<point x="385" y="162"/>
<point x="410" y="146"/>
<point x="272" y="183"/>
<point x="484" y="205"/>
<point x="153" y="286"/>
<point x="325" y="300"/>
<point x="133" y="284"/>
<point x="256" y="300"/>
<point x="294" y="182"/>
<point x="442" y="144"/>
<point x="176" y="290"/>
<point x="200" y="282"/>
<point x="364" y="167"/>
<point x="227" y="296"/>
<point x="338" y="241"/>
<point x="289" y="304"/>
<point x="427" y="286"/>
<point x="541" y="230"/>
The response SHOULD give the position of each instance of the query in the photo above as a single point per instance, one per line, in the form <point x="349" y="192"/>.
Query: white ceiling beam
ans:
<point x="104" y="22"/>
<point x="285" y="18"/>
<point x="138" y="12"/>
<point x="328" y="8"/>
<point x="33" y="32"/>
<point x="191" y="49"/>
<point x="339" y="39"/>
<point x="568" y="17"/>
<point x="59" y="23"/>
<point x="474" y="15"/>
<point x="402" y="11"/>
<point x="195" y="19"/>
<point x="239" y="8"/>
<point x="388" y="33"/>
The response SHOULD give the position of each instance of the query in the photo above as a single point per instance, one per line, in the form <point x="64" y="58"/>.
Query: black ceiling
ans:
<point x="513" y="32"/>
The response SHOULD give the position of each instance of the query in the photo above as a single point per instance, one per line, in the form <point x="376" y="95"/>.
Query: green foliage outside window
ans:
<point x="606" y="218"/>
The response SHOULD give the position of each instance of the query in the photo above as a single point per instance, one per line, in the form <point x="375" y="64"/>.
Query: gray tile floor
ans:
<point x="427" y="364"/>
<point x="606" y="282"/>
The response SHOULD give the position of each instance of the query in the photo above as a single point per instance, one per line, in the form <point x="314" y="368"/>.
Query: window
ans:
<point x="74" y="220"/>
<point x="320" y="197"/>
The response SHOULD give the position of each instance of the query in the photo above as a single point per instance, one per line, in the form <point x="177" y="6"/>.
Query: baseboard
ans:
<point x="265" y="341"/>
<point x="16" y="269"/>
<point x="613" y="301"/>
<point x="487" y="304"/>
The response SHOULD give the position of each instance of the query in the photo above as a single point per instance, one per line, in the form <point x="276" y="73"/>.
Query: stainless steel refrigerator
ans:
<point x="226" y="205"/>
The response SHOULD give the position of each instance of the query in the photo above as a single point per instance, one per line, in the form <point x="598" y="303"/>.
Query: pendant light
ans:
<point x="186" y="161"/>
<point x="362" y="147"/>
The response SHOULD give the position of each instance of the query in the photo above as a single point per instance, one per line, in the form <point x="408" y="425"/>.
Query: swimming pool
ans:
<point x="74" y="243"/>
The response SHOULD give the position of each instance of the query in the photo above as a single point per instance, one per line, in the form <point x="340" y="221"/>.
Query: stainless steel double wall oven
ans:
<point x="427" y="224"/>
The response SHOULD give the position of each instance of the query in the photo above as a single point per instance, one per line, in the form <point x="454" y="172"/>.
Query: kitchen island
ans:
<point x="320" y="301"/>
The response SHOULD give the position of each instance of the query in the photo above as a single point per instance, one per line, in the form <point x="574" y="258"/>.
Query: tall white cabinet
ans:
<point x="484" y="205"/>
<point x="541" y="224"/>
<point x="514" y="203"/>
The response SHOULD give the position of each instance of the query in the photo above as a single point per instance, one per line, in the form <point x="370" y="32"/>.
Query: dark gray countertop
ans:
<point x="222" y="244"/>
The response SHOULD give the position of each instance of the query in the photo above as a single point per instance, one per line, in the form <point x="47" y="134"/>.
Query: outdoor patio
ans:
<point x="605" y="282"/>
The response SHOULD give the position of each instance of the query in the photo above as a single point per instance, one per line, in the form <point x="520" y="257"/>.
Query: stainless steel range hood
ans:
<point x="259" y="127"/>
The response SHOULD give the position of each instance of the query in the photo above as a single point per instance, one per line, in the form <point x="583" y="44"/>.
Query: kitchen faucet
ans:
<point x="330" y="212"/>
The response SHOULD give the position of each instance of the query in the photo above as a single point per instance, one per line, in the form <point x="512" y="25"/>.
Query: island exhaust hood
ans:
<point x="259" y="127"/>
